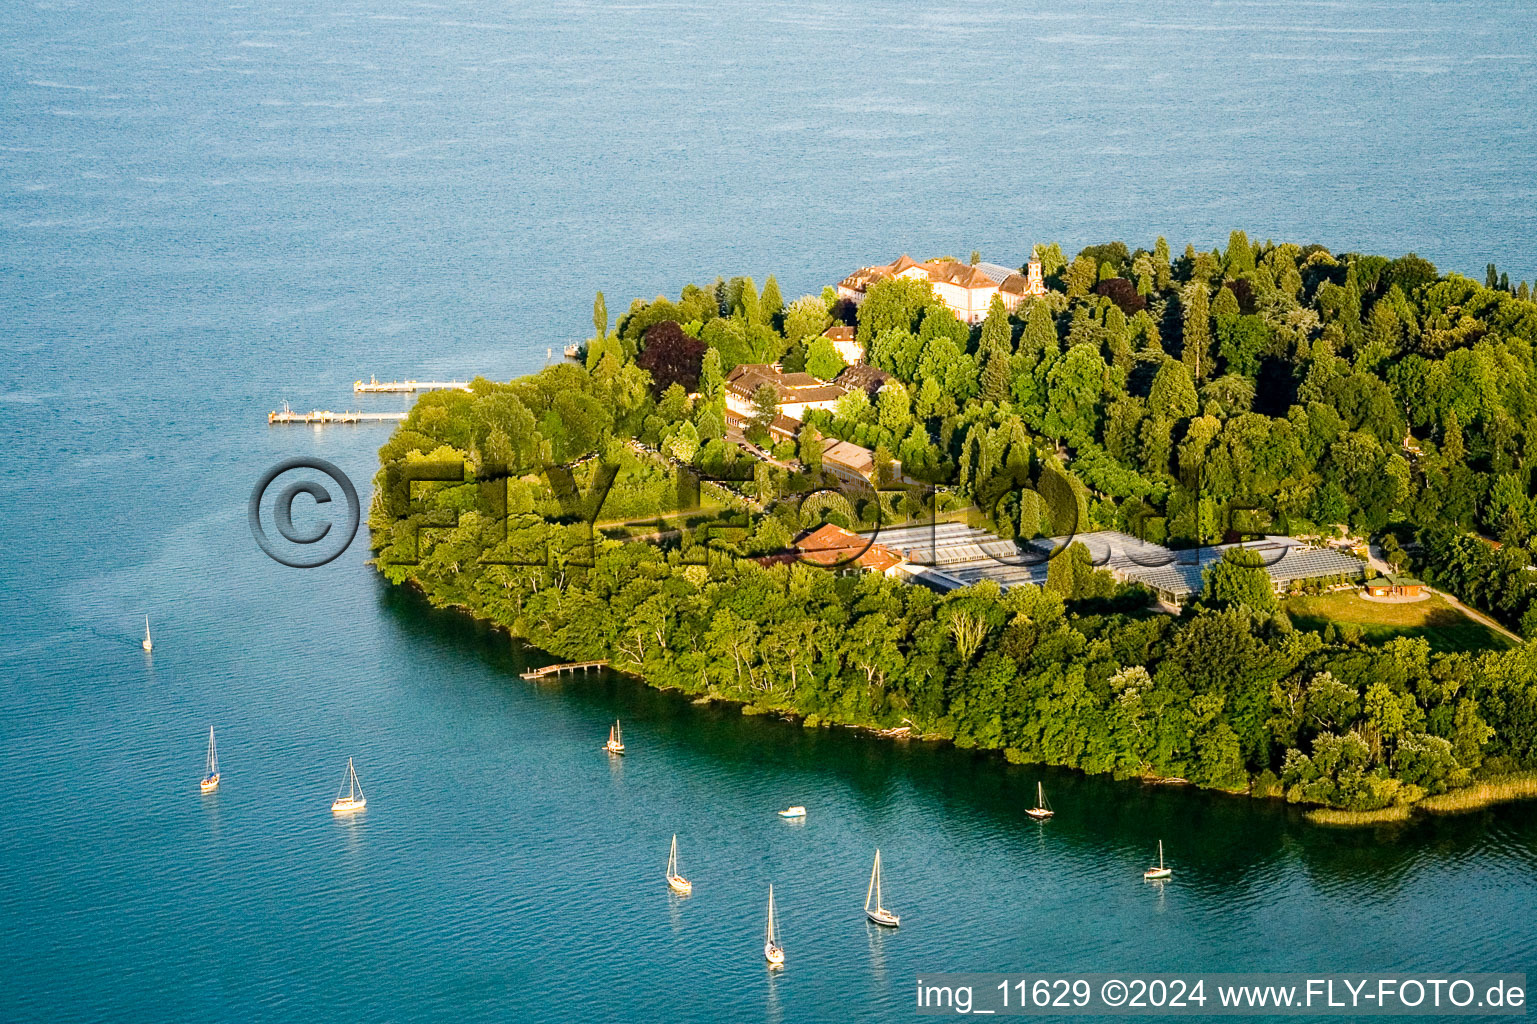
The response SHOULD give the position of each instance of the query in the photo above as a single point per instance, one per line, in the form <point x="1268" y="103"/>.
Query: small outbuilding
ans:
<point x="1394" y="585"/>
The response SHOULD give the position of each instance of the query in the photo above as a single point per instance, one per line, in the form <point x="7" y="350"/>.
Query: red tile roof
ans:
<point x="833" y="545"/>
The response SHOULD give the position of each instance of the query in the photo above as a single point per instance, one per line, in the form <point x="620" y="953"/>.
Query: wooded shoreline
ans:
<point x="1168" y="399"/>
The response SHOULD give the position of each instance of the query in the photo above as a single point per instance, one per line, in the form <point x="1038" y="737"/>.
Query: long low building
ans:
<point x="966" y="288"/>
<point x="955" y="554"/>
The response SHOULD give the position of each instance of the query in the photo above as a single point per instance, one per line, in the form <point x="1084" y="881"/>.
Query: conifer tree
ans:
<point x="1240" y="255"/>
<point x="771" y="302"/>
<point x="1173" y="395"/>
<point x="711" y="378"/>
<point x="995" y="378"/>
<point x="997" y="335"/>
<point x="1197" y="351"/>
<point x="1224" y="309"/>
<point x="1161" y="269"/>
<point x="1040" y="337"/>
<point x="749" y="304"/>
<point x="1082" y="275"/>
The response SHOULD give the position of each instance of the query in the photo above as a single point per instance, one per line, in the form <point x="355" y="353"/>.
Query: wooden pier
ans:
<point x="574" y="666"/>
<point x="372" y="386"/>
<point x="318" y="416"/>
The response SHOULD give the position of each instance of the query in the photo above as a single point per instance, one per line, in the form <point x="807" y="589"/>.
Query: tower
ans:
<point x="1034" y="285"/>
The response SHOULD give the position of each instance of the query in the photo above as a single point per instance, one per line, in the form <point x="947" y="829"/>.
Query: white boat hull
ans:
<point x="774" y="955"/>
<point x="1039" y="814"/>
<point x="793" y="812"/>
<point x="348" y="806"/>
<point x="679" y="885"/>
<point x="209" y="784"/>
<point x="1157" y="874"/>
<point x="884" y="918"/>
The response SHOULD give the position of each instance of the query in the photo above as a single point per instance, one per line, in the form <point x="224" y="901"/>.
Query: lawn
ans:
<point x="1445" y="627"/>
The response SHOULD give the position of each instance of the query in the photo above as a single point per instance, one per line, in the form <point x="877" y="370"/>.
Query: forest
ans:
<point x="1260" y="388"/>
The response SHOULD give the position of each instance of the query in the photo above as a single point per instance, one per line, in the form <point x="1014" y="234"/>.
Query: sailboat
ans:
<point x="211" y="780"/>
<point x="1041" y="811"/>
<point x="148" y="645"/>
<point x="773" y="952"/>
<point x="1160" y="872"/>
<point x="676" y="882"/>
<point x="878" y="913"/>
<point x="350" y="797"/>
<point x="615" y="744"/>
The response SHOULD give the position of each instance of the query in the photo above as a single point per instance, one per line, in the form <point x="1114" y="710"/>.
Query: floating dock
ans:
<point x="318" y="416"/>
<point x="574" y="666"/>
<point x="373" y="386"/>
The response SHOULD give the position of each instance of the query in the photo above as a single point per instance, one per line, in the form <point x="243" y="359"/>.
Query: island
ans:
<point x="1260" y="518"/>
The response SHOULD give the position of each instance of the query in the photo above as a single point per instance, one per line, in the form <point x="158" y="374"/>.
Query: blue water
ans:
<point x="208" y="209"/>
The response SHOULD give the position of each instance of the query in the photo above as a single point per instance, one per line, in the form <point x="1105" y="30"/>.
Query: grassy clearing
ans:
<point x="1445" y="627"/>
<point x="1333" y="816"/>
<point x="1483" y="794"/>
<point x="1504" y="789"/>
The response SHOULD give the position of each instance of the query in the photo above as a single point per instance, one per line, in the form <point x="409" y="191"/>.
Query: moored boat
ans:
<point x="676" y="882"/>
<point x="350" y="797"/>
<point x="879" y="914"/>
<point x="1160" y="872"/>
<point x="1042" y="810"/>
<point x="773" y="952"/>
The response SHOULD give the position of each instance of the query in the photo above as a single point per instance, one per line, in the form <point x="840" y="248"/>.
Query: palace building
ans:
<point x="967" y="289"/>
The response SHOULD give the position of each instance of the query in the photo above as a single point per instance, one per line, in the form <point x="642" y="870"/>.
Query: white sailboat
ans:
<point x="615" y="744"/>
<point x="350" y="797"/>
<point x="773" y="952"/>
<point x="1042" y="810"/>
<point x="148" y="645"/>
<point x="879" y="914"/>
<point x="211" y="779"/>
<point x="676" y="882"/>
<point x="1160" y="872"/>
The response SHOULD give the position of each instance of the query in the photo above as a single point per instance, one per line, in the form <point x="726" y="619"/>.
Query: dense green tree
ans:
<point x="1173" y="395"/>
<point x="805" y="318"/>
<point x="1076" y="388"/>
<point x="996" y="380"/>
<point x="895" y="304"/>
<point x="771" y="303"/>
<point x="1238" y="579"/>
<point x="1197" y="331"/>
<point x="1082" y="275"/>
<point x="822" y="360"/>
<point x="1039" y="340"/>
<point x="997" y="335"/>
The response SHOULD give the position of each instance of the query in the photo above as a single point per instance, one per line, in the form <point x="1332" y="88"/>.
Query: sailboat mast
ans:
<point x="875" y="874"/>
<point x="771" y="915"/>
<point x="1160" y="854"/>
<point x="878" y="905"/>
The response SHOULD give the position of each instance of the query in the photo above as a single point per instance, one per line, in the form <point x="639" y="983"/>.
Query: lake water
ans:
<point x="208" y="209"/>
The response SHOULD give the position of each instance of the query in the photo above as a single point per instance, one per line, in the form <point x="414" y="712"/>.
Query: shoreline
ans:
<point x="1492" y="792"/>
